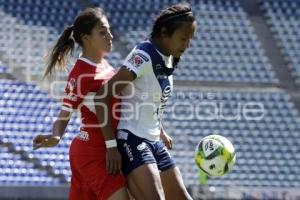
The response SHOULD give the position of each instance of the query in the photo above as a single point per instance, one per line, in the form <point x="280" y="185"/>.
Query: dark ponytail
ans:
<point x="83" y="25"/>
<point x="61" y="51"/>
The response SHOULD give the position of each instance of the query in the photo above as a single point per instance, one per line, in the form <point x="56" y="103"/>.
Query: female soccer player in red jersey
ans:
<point x="145" y="83"/>
<point x="91" y="178"/>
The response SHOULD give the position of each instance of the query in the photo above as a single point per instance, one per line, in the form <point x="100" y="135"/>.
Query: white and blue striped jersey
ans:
<point x="144" y="99"/>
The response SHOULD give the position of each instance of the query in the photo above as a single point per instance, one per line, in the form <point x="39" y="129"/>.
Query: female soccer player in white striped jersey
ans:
<point x="145" y="83"/>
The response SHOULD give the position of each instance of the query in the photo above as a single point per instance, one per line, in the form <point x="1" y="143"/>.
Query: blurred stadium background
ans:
<point x="245" y="55"/>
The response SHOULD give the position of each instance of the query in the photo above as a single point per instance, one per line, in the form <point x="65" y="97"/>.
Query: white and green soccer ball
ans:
<point x="215" y="155"/>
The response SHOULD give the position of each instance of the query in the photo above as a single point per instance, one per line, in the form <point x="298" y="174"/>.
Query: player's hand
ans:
<point x="113" y="161"/>
<point x="45" y="141"/>
<point x="166" y="139"/>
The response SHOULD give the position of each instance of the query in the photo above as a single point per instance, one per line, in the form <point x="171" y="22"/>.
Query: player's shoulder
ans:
<point x="140" y="54"/>
<point x="84" y="64"/>
<point x="80" y="67"/>
<point x="137" y="59"/>
<point x="145" y="48"/>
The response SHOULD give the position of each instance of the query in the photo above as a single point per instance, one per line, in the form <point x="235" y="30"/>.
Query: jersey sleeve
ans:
<point x="138" y="62"/>
<point x="74" y="92"/>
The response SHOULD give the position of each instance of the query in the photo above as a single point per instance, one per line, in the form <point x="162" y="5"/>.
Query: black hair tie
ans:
<point x="176" y="16"/>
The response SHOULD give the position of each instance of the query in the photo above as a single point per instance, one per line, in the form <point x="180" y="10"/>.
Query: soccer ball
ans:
<point x="215" y="155"/>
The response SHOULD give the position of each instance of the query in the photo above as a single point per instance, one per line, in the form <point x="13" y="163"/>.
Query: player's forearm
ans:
<point x="59" y="127"/>
<point x="61" y="123"/>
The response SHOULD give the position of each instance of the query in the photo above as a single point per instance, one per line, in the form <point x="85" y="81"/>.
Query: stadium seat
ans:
<point x="16" y="172"/>
<point x="261" y="152"/>
<point x="282" y="17"/>
<point x="225" y="47"/>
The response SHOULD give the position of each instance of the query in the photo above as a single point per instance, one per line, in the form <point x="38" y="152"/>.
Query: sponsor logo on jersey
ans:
<point x="163" y="100"/>
<point x="128" y="151"/>
<point x="137" y="59"/>
<point x="71" y="85"/>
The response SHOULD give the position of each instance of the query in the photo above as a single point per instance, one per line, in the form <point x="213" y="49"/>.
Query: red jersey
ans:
<point x="84" y="81"/>
<point x="90" y="180"/>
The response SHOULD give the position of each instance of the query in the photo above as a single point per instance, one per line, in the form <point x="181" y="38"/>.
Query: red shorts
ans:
<point x="90" y="181"/>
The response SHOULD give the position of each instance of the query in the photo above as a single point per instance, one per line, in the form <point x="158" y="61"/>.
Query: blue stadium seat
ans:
<point x="15" y="171"/>
<point x="261" y="150"/>
<point x="224" y="35"/>
<point x="284" y="22"/>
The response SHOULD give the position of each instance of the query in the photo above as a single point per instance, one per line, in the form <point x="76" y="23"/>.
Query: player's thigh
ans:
<point x="82" y="192"/>
<point x="120" y="194"/>
<point x="173" y="185"/>
<point x="144" y="182"/>
<point x="134" y="191"/>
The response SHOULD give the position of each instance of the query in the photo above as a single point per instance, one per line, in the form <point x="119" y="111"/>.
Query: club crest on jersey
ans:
<point x="71" y="84"/>
<point x="83" y="135"/>
<point x="70" y="96"/>
<point x="137" y="59"/>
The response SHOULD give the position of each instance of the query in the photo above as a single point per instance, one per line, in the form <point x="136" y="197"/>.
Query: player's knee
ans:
<point x="121" y="194"/>
<point x="159" y="195"/>
<point x="178" y="194"/>
<point x="156" y="193"/>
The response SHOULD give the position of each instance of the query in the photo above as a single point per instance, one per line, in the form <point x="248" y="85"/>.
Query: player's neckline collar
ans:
<point x="165" y="58"/>
<point x="90" y="62"/>
<point x="160" y="53"/>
